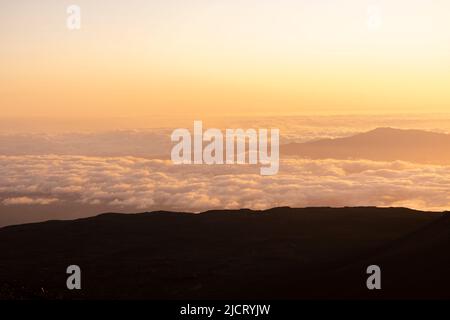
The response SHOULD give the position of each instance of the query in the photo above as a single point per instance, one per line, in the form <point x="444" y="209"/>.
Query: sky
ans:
<point x="86" y="115"/>
<point x="207" y="57"/>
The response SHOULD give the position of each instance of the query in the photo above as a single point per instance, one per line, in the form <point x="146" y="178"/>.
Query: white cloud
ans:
<point x="136" y="184"/>
<point x="28" y="201"/>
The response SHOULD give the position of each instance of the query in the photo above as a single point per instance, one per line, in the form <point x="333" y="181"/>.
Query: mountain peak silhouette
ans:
<point x="380" y="144"/>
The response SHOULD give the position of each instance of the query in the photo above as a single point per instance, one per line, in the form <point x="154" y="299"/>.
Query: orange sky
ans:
<point x="204" y="57"/>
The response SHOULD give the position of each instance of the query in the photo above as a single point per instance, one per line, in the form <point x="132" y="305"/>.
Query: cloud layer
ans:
<point x="136" y="184"/>
<point x="107" y="137"/>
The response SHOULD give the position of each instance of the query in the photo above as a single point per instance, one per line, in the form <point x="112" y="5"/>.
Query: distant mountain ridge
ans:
<point x="381" y="144"/>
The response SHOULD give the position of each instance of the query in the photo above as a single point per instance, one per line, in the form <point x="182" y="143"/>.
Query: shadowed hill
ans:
<point x="278" y="253"/>
<point x="382" y="144"/>
<point x="415" y="266"/>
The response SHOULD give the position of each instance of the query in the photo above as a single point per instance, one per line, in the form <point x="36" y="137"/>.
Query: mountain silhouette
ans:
<point x="381" y="144"/>
<point x="281" y="253"/>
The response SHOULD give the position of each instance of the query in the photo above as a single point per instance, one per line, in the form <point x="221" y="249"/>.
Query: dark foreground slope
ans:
<point x="277" y="254"/>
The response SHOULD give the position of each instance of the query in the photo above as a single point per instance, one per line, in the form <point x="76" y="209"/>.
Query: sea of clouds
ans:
<point x="56" y="174"/>
<point x="133" y="184"/>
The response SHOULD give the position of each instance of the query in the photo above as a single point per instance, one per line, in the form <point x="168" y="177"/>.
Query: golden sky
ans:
<point x="208" y="57"/>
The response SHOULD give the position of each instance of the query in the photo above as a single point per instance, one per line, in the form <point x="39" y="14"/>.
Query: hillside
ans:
<point x="278" y="253"/>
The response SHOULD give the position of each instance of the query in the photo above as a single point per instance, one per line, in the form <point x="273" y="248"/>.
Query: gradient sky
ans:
<point x="209" y="57"/>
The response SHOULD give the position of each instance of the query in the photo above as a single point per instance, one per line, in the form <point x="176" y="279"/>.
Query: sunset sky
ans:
<point x="86" y="115"/>
<point x="208" y="57"/>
